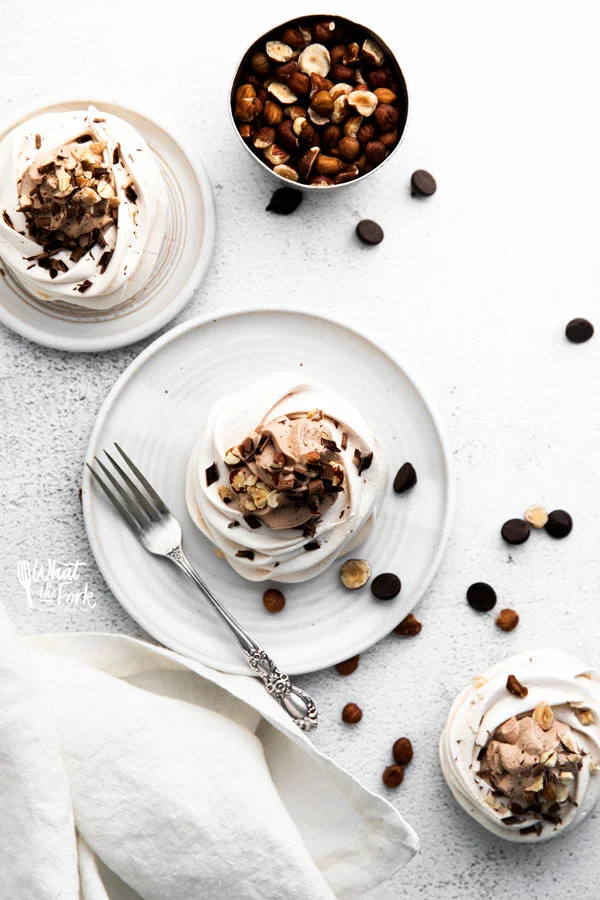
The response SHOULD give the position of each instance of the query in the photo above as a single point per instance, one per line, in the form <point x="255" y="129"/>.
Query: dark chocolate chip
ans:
<point x="559" y="523"/>
<point x="386" y="586"/>
<point x="578" y="331"/>
<point x="212" y="474"/>
<point x="423" y="183"/>
<point x="515" y="531"/>
<point x="405" y="479"/>
<point x="285" y="201"/>
<point x="252" y="521"/>
<point x="481" y="596"/>
<point x="312" y="545"/>
<point x="369" y="232"/>
<point x="245" y="554"/>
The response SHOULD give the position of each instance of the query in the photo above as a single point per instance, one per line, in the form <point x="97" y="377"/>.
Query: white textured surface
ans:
<point x="473" y="287"/>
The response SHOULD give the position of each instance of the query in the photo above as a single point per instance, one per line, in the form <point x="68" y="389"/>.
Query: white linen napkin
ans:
<point x="128" y="772"/>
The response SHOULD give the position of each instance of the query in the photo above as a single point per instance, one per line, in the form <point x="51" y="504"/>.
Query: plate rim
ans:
<point x="175" y="306"/>
<point x="211" y="318"/>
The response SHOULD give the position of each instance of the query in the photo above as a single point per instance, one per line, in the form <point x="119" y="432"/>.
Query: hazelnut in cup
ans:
<point x="319" y="101"/>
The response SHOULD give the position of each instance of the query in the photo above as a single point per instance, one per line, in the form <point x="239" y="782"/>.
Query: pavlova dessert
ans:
<point x="285" y="478"/>
<point x="521" y="748"/>
<point x="82" y="208"/>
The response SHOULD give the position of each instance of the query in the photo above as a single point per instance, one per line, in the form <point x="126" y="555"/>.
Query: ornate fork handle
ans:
<point x="297" y="704"/>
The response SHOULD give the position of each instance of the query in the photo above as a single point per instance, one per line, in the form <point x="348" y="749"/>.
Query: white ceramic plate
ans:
<point x="154" y="411"/>
<point x="181" y="264"/>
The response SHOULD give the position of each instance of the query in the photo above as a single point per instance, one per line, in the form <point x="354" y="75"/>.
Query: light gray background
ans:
<point x="473" y="287"/>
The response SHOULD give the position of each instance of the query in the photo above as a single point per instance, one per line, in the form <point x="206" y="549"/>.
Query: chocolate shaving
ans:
<point x="245" y="554"/>
<point x="84" y="286"/>
<point x="361" y="461"/>
<point x="7" y="219"/>
<point x="233" y="525"/>
<point x="511" y="820"/>
<point x="312" y="545"/>
<point x="212" y="474"/>
<point x="83" y="139"/>
<point x="344" y="441"/>
<point x="104" y="260"/>
<point x="531" y="829"/>
<point x="61" y="265"/>
<point x="316" y="486"/>
<point x="253" y="521"/>
<point x="116" y="154"/>
<point x="130" y="193"/>
<point x="310" y="528"/>
<point x="330" y="445"/>
<point x="38" y="141"/>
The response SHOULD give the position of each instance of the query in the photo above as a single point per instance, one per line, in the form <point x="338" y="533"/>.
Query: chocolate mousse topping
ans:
<point x="68" y="198"/>
<point x="531" y="763"/>
<point x="287" y="473"/>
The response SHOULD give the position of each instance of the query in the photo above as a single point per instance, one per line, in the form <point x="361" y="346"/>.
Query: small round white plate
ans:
<point x="154" y="412"/>
<point x="179" y="270"/>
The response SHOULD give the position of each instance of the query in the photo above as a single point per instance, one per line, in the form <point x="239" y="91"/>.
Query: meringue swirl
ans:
<point x="82" y="208"/>
<point x="298" y="496"/>
<point x="487" y="721"/>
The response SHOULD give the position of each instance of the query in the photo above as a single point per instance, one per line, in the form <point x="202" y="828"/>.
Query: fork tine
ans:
<point x="143" y="501"/>
<point x="150" y="490"/>
<point x="131" y="521"/>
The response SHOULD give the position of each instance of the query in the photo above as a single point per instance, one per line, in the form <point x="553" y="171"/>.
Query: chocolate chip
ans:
<point x="423" y="183"/>
<point x="245" y="554"/>
<point x="285" y="201"/>
<point x="393" y="776"/>
<point x="312" y="545"/>
<point x="348" y="666"/>
<point x="481" y="596"/>
<point x="515" y="531"/>
<point x="273" y="600"/>
<point x="38" y="141"/>
<point x="212" y="474"/>
<point x="386" y="586"/>
<point x="405" y="479"/>
<point x="578" y="331"/>
<point x="369" y="232"/>
<point x="252" y="521"/>
<point x="131" y="193"/>
<point x="559" y="523"/>
<point x="84" y="286"/>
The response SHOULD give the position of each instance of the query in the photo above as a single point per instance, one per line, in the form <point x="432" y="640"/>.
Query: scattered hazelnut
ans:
<point x="355" y="573"/>
<point x="323" y="31"/>
<point x="259" y="63"/>
<point x="263" y="138"/>
<point x="349" y="148"/>
<point x="351" y="714"/>
<point x="287" y="172"/>
<point x="273" y="113"/>
<point x="408" y="627"/>
<point x="393" y="776"/>
<point x="299" y="83"/>
<point x="515" y="687"/>
<point x="568" y="740"/>
<point x="327" y="165"/>
<point x="322" y="103"/>
<point x="273" y="600"/>
<point x="402" y="751"/>
<point x="348" y="666"/>
<point x="386" y="116"/>
<point x="277" y="156"/>
<point x="314" y="58"/>
<point x="278" y="51"/>
<point x="375" y="152"/>
<point x="585" y="716"/>
<point x="364" y="102"/>
<point x="372" y="52"/>
<point x="226" y="494"/>
<point x="282" y="92"/>
<point x="543" y="716"/>
<point x="507" y="619"/>
<point x="306" y="162"/>
<point x="536" y="516"/>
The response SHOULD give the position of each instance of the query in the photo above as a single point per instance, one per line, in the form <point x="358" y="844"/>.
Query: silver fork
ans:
<point x="159" y="532"/>
<point x="25" y="577"/>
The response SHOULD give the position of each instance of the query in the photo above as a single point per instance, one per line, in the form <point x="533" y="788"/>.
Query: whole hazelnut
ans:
<point x="276" y="155"/>
<point x="351" y="714"/>
<point x="319" y="83"/>
<point x="349" y="148"/>
<point x="273" y="600"/>
<point x="327" y="165"/>
<point x="409" y="626"/>
<point x="362" y="164"/>
<point x="273" y="113"/>
<point x="247" y="130"/>
<point x="286" y="137"/>
<point x="331" y="136"/>
<point x="321" y="181"/>
<point x="352" y="54"/>
<point x="386" y="117"/>
<point x="366" y="133"/>
<point x="306" y="162"/>
<point x="308" y="137"/>
<point x="283" y="72"/>
<point x="339" y="72"/>
<point x="293" y="37"/>
<point x="248" y="108"/>
<point x="245" y="92"/>
<point x="385" y="95"/>
<point x="264" y="137"/>
<point x="323" y="32"/>
<point x="393" y="776"/>
<point x="259" y="63"/>
<point x="375" y="152"/>
<point x="402" y="751"/>
<point x="295" y="111"/>
<point x="348" y="666"/>
<point x="352" y="125"/>
<point x="388" y="138"/>
<point x="348" y="172"/>
<point x="322" y="103"/>
<point x="507" y="619"/>
<point x="299" y="83"/>
<point x="337" y="53"/>
<point x="377" y="79"/>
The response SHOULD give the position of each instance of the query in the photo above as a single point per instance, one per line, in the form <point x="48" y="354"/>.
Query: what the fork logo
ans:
<point x="53" y="584"/>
